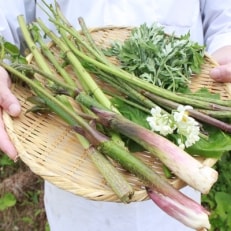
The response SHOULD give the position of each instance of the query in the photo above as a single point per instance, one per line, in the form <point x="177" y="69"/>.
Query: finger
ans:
<point x="5" y="143"/>
<point x="7" y="99"/>
<point x="9" y="102"/>
<point x="221" y="73"/>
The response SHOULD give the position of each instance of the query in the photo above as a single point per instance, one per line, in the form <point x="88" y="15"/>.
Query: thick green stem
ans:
<point x="34" y="69"/>
<point x="46" y="51"/>
<point x="127" y="89"/>
<point x="218" y="103"/>
<point x="200" y="177"/>
<point x="79" y="69"/>
<point x="61" y="22"/>
<point x="133" y="165"/>
<point x="130" y="78"/>
<point x="32" y="46"/>
<point x="117" y="182"/>
<point x="58" y="107"/>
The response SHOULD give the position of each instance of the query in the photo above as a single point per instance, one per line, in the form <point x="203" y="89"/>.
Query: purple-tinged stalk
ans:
<point x="185" y="207"/>
<point x="187" y="211"/>
<point x="197" y="114"/>
<point x="183" y="165"/>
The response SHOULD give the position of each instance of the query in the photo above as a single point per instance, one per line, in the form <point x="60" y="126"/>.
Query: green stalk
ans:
<point x="99" y="55"/>
<point x="84" y="77"/>
<point x="32" y="46"/>
<point x="130" y="78"/>
<point x="110" y="148"/>
<point x="220" y="102"/>
<point x="217" y="114"/>
<point x="192" y="112"/>
<point x="117" y="182"/>
<point x="128" y="102"/>
<point x="126" y="89"/>
<point x="199" y="177"/>
<point x="61" y="22"/>
<point x="79" y="69"/>
<point x="132" y="164"/>
<point x="114" y="179"/>
<point x="34" y="69"/>
<point x="46" y="51"/>
<point x="58" y="107"/>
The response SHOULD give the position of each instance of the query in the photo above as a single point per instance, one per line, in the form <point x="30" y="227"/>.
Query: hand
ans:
<point x="10" y="104"/>
<point x="222" y="73"/>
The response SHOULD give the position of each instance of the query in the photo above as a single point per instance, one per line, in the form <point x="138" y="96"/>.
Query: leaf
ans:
<point x="217" y="143"/>
<point x="223" y="201"/>
<point x="6" y="161"/>
<point x="8" y="200"/>
<point x="131" y="112"/>
<point x="12" y="52"/>
<point x="218" y="200"/>
<point x="134" y="114"/>
<point x="11" y="49"/>
<point x="221" y="215"/>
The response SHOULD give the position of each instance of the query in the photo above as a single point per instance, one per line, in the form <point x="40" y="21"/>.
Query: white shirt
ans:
<point x="207" y="20"/>
<point x="209" y="23"/>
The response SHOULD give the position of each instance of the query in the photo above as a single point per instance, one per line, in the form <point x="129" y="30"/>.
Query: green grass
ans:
<point x="21" y="200"/>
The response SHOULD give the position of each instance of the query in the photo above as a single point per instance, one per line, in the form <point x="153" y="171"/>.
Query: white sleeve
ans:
<point x="9" y="11"/>
<point x="216" y="16"/>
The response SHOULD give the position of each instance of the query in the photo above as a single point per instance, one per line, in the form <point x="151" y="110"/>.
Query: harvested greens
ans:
<point x="164" y="60"/>
<point x="104" y="125"/>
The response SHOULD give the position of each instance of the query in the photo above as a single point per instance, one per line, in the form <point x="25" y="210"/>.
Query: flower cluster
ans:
<point x="178" y="122"/>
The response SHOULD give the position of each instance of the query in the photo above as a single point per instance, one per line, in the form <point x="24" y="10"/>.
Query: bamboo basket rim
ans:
<point x="48" y="147"/>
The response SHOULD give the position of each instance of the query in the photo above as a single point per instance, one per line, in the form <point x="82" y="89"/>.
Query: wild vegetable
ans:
<point x="101" y="125"/>
<point x="164" y="60"/>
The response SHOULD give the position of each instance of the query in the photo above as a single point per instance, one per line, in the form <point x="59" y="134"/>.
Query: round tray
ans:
<point x="50" y="148"/>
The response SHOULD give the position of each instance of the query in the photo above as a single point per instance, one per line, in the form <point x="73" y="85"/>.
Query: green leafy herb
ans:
<point x="163" y="60"/>
<point x="218" y="201"/>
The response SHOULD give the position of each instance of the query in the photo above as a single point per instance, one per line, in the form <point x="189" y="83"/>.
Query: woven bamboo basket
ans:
<point x="50" y="149"/>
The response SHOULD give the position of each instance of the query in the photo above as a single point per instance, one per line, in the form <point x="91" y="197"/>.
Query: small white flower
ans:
<point x="160" y="121"/>
<point x="180" y="143"/>
<point x="181" y="113"/>
<point x="185" y="126"/>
